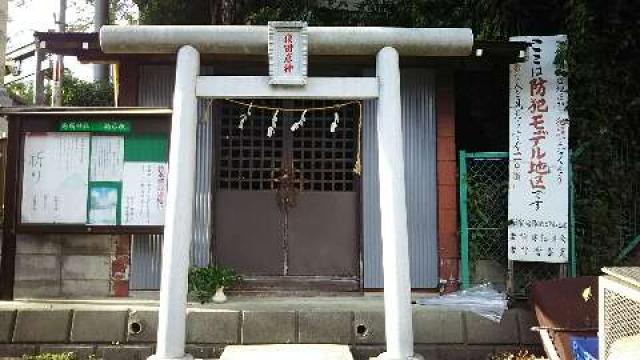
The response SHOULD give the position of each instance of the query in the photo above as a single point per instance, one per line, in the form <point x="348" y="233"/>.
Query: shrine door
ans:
<point x="287" y="206"/>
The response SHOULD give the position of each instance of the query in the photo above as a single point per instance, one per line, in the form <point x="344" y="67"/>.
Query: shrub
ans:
<point x="204" y="281"/>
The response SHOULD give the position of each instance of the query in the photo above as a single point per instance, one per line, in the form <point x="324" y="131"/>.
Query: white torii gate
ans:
<point x="189" y="41"/>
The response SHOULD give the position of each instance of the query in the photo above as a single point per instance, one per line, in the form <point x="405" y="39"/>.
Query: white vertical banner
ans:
<point x="538" y="155"/>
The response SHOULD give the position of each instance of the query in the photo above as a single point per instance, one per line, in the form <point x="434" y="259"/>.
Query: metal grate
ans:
<point x="324" y="159"/>
<point x="486" y="185"/>
<point x="621" y="324"/>
<point x="249" y="159"/>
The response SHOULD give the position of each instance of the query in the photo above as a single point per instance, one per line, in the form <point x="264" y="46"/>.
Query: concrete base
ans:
<point x="125" y="329"/>
<point x="156" y="357"/>
<point x="286" y="352"/>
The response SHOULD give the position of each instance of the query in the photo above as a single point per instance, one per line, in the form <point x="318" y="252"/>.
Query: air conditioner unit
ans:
<point x="619" y="314"/>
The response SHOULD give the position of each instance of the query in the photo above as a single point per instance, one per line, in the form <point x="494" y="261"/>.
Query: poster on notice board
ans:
<point x="54" y="181"/>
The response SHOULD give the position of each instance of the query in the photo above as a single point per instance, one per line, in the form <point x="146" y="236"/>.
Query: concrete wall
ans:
<point x="67" y="265"/>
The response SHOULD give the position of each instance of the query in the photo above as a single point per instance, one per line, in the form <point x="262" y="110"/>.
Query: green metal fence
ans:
<point x="483" y="186"/>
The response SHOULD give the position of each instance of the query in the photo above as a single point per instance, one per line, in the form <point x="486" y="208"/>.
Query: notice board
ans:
<point x="91" y="174"/>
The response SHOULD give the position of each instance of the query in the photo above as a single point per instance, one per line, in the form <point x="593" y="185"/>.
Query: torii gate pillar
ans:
<point x="393" y="210"/>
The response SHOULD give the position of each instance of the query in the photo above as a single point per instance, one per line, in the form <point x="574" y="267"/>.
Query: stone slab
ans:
<point x="221" y="327"/>
<point x="82" y="352"/>
<point x="325" y="327"/>
<point x="437" y="327"/>
<point x="7" y="318"/>
<point x="204" y="351"/>
<point x="368" y="327"/>
<point x="268" y="327"/>
<point x="38" y="326"/>
<point x="526" y="320"/>
<point x="85" y="288"/>
<point x="97" y="244"/>
<point x="17" y="350"/>
<point x="37" y="244"/>
<point x="37" y="267"/>
<point x="287" y="352"/>
<point x="148" y="321"/>
<point x="484" y="331"/>
<point x="98" y="326"/>
<point x="86" y="267"/>
<point x="124" y="352"/>
<point x="36" y="288"/>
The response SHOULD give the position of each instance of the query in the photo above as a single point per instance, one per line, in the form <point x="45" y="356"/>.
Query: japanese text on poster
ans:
<point x="107" y="157"/>
<point x="144" y="192"/>
<point x="55" y="178"/>
<point x="538" y="155"/>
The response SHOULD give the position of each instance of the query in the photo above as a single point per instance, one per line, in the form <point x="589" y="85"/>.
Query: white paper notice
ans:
<point x="538" y="156"/>
<point x="55" y="178"/>
<point x="144" y="192"/>
<point x="107" y="154"/>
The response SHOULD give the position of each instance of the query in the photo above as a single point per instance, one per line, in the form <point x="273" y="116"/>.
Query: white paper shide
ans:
<point x="538" y="155"/>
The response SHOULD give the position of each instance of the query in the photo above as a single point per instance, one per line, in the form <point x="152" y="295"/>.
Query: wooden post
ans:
<point x="8" y="260"/>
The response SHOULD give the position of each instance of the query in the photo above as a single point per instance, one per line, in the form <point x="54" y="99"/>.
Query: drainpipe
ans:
<point x="179" y="211"/>
<point x="100" y="18"/>
<point x="393" y="210"/>
<point x="58" y="69"/>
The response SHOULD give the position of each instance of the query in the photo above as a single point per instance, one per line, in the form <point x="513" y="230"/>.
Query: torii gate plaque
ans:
<point x="385" y="43"/>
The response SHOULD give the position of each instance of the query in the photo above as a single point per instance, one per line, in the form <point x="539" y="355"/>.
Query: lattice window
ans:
<point x="324" y="159"/>
<point x="249" y="160"/>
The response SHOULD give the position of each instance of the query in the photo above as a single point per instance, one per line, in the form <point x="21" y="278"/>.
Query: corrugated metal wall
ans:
<point x="156" y="89"/>
<point x="418" y="125"/>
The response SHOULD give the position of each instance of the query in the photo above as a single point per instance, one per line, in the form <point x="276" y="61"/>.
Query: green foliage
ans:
<point x="204" y="281"/>
<point x="75" y="92"/>
<point x="602" y="55"/>
<point x="171" y="12"/>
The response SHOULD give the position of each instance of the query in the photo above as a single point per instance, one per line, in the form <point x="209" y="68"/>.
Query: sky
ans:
<point x="27" y="16"/>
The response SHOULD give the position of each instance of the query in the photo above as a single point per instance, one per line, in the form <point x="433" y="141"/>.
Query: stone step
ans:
<point x="287" y="352"/>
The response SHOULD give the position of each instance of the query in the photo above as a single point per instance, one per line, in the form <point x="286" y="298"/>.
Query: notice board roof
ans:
<point x="44" y="111"/>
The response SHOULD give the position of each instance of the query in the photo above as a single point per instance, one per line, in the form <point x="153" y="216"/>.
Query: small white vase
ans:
<point x="219" y="297"/>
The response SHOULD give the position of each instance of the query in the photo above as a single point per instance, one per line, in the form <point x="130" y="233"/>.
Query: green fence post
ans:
<point x="464" y="221"/>
<point x="572" y="223"/>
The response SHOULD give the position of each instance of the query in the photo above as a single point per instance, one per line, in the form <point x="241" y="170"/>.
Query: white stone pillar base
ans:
<point x="385" y="356"/>
<point x="156" y="357"/>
